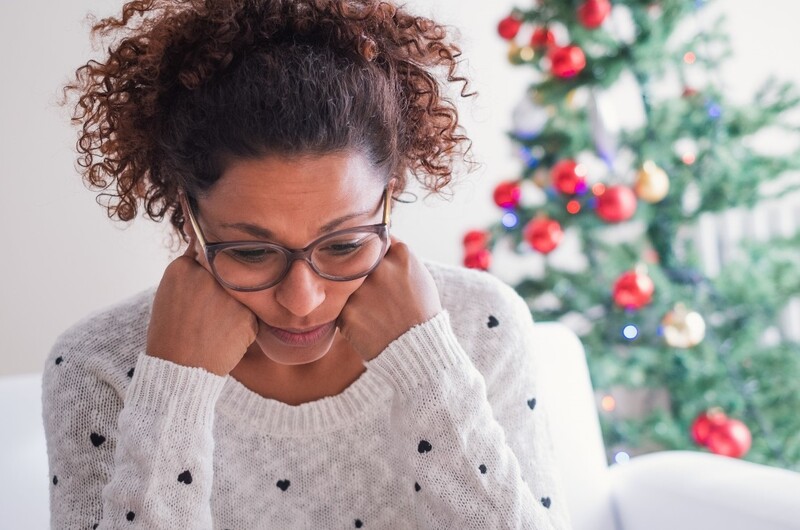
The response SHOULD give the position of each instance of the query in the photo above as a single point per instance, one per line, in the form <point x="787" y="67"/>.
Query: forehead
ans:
<point x="291" y="199"/>
<point x="284" y="179"/>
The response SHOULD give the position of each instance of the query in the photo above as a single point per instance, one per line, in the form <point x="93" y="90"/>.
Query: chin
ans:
<point x="282" y="353"/>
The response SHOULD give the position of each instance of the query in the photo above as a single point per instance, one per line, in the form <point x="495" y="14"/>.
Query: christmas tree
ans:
<point x="679" y="359"/>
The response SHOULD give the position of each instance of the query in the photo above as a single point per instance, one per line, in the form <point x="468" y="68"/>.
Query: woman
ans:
<point x="297" y="366"/>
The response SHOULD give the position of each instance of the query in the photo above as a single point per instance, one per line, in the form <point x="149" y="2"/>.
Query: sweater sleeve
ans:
<point x="471" y="471"/>
<point x="142" y="460"/>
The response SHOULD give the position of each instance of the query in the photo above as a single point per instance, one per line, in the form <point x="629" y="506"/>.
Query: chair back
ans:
<point x="578" y="440"/>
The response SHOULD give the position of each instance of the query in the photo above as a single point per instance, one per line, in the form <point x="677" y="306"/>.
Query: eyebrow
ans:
<point x="259" y="231"/>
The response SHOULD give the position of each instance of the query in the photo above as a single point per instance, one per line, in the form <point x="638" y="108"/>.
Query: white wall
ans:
<point x="63" y="258"/>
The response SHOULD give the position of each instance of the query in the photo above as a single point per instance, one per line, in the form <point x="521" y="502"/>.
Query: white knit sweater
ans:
<point x="443" y="430"/>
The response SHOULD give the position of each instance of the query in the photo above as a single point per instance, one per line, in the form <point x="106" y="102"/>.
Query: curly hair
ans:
<point x="198" y="83"/>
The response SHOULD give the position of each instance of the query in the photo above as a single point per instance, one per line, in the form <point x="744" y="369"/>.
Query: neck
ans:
<point x="296" y="384"/>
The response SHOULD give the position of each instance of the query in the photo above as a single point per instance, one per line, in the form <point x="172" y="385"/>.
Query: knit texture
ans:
<point x="443" y="430"/>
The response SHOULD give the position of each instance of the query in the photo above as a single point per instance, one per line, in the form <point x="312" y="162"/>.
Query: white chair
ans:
<point x="670" y="490"/>
<point x="674" y="490"/>
<point x="24" y="488"/>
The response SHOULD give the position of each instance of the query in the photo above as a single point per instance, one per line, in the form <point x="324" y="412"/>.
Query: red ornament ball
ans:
<point x="543" y="38"/>
<point x="633" y="290"/>
<point x="507" y="194"/>
<point x="543" y="234"/>
<point x="475" y="240"/>
<point x="592" y="13"/>
<point x="568" y="177"/>
<point x="566" y="61"/>
<point x="480" y="259"/>
<point x="689" y="92"/>
<point x="509" y="27"/>
<point x="706" y="422"/>
<point x="732" y="438"/>
<point x="616" y="204"/>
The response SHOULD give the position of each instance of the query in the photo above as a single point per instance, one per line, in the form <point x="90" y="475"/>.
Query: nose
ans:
<point x="301" y="291"/>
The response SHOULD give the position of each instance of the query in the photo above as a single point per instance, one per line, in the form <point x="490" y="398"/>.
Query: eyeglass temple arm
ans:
<point x="387" y="204"/>
<point x="190" y="214"/>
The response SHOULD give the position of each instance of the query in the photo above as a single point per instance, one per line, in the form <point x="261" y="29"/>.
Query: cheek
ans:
<point x="350" y="287"/>
<point x="265" y="307"/>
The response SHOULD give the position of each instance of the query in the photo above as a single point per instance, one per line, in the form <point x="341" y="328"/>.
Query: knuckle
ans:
<point x="254" y="327"/>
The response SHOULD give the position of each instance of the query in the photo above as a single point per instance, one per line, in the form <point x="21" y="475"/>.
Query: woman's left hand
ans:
<point x="397" y="295"/>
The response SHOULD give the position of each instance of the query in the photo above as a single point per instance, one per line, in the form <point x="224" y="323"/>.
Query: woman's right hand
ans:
<point x="195" y="322"/>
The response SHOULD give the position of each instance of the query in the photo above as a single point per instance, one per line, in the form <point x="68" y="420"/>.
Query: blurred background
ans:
<point x="63" y="258"/>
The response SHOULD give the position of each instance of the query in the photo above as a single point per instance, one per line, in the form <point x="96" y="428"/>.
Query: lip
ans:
<point x="306" y="338"/>
<point x="300" y="331"/>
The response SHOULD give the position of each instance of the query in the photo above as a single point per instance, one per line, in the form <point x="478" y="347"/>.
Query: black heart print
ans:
<point x="424" y="446"/>
<point x="283" y="484"/>
<point x="185" y="477"/>
<point x="492" y="322"/>
<point x="532" y="403"/>
<point x="97" y="439"/>
<point x="546" y="502"/>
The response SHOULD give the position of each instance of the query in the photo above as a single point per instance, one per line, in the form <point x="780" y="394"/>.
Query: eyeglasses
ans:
<point x="341" y="256"/>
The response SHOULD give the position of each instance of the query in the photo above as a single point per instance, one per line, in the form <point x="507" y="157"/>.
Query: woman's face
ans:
<point x="293" y="199"/>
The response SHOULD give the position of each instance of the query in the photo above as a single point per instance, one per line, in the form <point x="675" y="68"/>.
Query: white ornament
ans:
<point x="604" y="124"/>
<point x="528" y="118"/>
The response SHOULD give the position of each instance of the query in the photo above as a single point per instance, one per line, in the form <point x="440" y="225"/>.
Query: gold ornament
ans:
<point x="683" y="328"/>
<point x="541" y="177"/>
<point x="652" y="183"/>
<point x="570" y="99"/>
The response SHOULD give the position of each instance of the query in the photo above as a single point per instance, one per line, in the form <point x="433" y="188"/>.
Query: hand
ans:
<point x="195" y="322"/>
<point x="396" y="296"/>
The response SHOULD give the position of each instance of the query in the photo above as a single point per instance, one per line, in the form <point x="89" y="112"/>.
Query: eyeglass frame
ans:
<point x="212" y="249"/>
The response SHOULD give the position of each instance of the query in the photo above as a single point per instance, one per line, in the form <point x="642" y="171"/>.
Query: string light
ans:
<point x="529" y="157"/>
<point x="608" y="403"/>
<point x="689" y="58"/>
<point x="689" y="158"/>
<point x="510" y="220"/>
<point x="573" y="207"/>
<point x="622" y="457"/>
<point x="599" y="189"/>
<point x="630" y="332"/>
<point x="526" y="53"/>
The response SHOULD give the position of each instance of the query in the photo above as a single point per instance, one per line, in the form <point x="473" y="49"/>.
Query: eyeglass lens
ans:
<point x="340" y="256"/>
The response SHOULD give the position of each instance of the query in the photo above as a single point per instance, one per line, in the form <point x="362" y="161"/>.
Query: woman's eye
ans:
<point x="251" y="255"/>
<point x="343" y="248"/>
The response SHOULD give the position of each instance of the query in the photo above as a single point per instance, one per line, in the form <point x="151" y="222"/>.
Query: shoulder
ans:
<point x="476" y="293"/>
<point x="106" y="342"/>
<point x="492" y="322"/>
